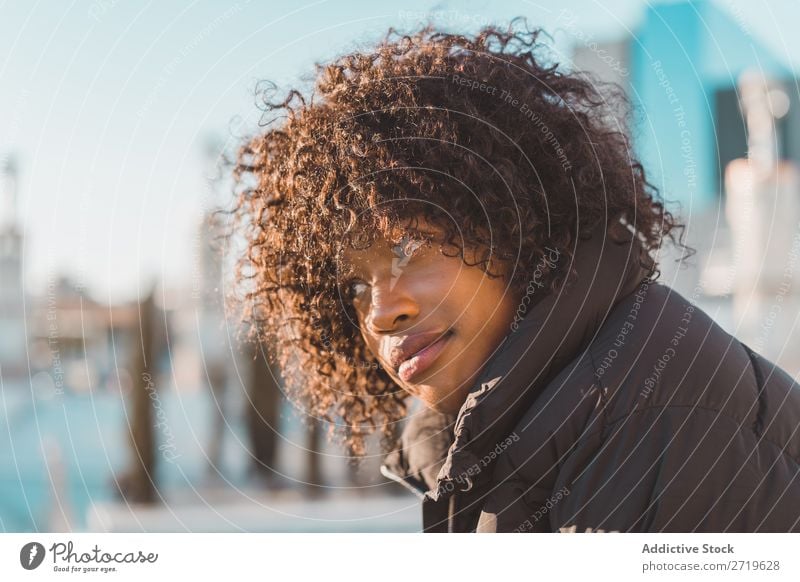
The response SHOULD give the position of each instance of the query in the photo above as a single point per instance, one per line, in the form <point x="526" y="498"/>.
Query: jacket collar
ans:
<point x="552" y="333"/>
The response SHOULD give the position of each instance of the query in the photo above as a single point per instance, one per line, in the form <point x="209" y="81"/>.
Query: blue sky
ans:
<point x="107" y="105"/>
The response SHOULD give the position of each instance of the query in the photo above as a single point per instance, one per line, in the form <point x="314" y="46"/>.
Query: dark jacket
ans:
<point x="617" y="405"/>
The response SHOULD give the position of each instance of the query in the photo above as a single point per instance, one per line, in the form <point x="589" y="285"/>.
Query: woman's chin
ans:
<point x="449" y="402"/>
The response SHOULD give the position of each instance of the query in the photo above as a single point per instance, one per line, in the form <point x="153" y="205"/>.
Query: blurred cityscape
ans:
<point x="150" y="416"/>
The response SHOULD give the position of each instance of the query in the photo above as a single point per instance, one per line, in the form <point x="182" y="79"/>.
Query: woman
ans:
<point x="457" y="221"/>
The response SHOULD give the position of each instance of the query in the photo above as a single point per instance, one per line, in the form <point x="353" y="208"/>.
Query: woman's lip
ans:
<point x="423" y="359"/>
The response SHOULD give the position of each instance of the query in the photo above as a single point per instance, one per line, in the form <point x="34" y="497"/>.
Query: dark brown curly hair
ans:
<point x="482" y="135"/>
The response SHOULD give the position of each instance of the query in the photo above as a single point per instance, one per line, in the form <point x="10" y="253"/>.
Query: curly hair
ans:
<point x="482" y="135"/>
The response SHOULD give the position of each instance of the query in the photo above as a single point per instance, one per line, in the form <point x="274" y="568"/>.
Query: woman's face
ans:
<point x="410" y="296"/>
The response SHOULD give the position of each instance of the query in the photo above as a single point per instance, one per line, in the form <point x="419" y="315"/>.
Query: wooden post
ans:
<point x="217" y="379"/>
<point x="137" y="484"/>
<point x="263" y="415"/>
<point x="313" y="467"/>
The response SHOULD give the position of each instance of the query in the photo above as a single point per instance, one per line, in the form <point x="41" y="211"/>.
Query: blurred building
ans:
<point x="709" y="99"/>
<point x="681" y="67"/>
<point x="81" y="343"/>
<point x="12" y="300"/>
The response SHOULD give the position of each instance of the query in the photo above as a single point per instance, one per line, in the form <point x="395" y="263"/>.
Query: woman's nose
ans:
<point x="391" y="306"/>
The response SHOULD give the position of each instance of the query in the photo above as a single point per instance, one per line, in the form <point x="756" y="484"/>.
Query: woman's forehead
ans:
<point x="381" y="246"/>
<point x="368" y="241"/>
<point x="382" y="250"/>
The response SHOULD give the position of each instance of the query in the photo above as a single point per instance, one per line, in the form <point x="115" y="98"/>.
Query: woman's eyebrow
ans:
<point x="411" y="243"/>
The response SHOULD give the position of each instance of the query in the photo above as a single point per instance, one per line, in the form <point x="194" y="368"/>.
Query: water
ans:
<point x="59" y="454"/>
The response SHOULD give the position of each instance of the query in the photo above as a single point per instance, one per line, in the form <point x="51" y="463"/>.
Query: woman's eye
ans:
<point x="408" y="247"/>
<point x="355" y="288"/>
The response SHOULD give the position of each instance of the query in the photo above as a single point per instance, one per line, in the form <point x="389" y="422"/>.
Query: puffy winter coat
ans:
<point x="616" y="405"/>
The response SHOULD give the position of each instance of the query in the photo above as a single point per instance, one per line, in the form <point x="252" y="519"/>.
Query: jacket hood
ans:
<point x="443" y="454"/>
